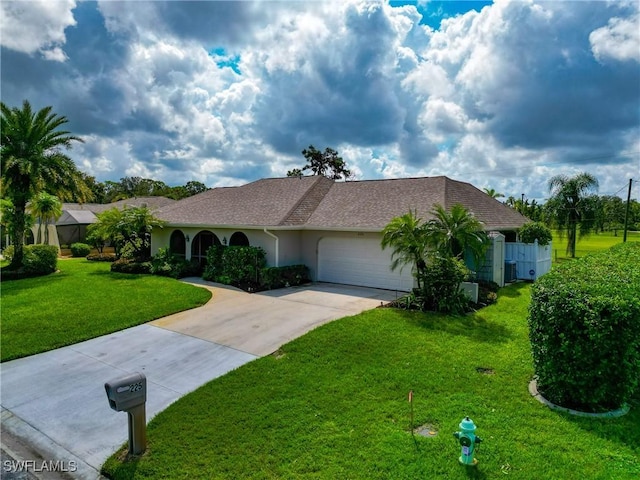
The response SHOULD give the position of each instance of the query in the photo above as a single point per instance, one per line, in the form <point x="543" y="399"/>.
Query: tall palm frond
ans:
<point x="32" y="161"/>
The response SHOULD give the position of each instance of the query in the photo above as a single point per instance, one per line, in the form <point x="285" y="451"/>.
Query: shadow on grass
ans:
<point x="15" y="286"/>
<point x="474" y="326"/>
<point x="126" y="467"/>
<point x="622" y="430"/>
<point x="119" y="276"/>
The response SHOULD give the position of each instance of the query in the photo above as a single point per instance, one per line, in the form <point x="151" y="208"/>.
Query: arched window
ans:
<point x="178" y="244"/>
<point x="201" y="244"/>
<point x="239" y="239"/>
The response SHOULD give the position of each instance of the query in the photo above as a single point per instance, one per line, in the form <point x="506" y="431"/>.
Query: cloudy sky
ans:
<point x="501" y="94"/>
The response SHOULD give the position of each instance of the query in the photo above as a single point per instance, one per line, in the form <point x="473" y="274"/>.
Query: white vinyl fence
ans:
<point x="532" y="260"/>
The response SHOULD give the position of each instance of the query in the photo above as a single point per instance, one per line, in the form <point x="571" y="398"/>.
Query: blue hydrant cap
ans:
<point x="467" y="424"/>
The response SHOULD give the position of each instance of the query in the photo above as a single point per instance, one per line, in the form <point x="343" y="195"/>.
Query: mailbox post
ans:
<point x="129" y="394"/>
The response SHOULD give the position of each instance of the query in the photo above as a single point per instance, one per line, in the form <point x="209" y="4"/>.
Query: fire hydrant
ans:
<point x="468" y="441"/>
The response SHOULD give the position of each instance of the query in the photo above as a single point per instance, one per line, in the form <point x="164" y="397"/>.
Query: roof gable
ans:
<point x="266" y="202"/>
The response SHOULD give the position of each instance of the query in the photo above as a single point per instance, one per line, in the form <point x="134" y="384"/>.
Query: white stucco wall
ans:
<point x="289" y="241"/>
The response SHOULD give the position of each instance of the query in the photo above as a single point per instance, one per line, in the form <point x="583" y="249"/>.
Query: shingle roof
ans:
<point x="319" y="203"/>
<point x="266" y="202"/>
<point x="85" y="213"/>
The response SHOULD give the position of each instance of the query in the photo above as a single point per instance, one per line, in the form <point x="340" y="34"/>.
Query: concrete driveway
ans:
<point x="55" y="401"/>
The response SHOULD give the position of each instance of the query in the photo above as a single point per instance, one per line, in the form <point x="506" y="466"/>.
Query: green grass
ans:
<point x="82" y="301"/>
<point x="590" y="244"/>
<point x="333" y="405"/>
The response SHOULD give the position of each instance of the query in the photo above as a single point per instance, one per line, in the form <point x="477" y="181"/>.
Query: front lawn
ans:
<point x="333" y="405"/>
<point x="82" y="301"/>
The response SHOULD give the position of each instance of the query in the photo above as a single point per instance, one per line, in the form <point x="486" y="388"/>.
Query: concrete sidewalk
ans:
<point x="55" y="401"/>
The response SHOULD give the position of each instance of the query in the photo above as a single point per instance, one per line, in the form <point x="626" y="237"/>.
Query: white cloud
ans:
<point x="618" y="40"/>
<point x="36" y="26"/>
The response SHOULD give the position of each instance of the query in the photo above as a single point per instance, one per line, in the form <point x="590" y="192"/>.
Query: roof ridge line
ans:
<point x="320" y="179"/>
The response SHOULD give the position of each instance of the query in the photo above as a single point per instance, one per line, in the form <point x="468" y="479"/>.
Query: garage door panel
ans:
<point x="360" y="261"/>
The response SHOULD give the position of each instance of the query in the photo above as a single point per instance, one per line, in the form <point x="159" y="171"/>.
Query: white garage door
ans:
<point x="360" y="261"/>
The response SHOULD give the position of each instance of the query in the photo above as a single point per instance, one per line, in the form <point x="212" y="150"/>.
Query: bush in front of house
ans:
<point x="288" y="276"/>
<point x="40" y="259"/>
<point x="235" y="265"/>
<point x="130" y="265"/>
<point x="532" y="231"/>
<point x="7" y="253"/>
<point x="102" y="257"/>
<point x="166" y="264"/>
<point x="440" y="285"/>
<point x="583" y="320"/>
<point x="80" y="249"/>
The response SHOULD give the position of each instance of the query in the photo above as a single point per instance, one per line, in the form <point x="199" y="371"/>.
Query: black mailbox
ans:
<point x="127" y="392"/>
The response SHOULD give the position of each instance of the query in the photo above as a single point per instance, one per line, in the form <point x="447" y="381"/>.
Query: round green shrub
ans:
<point x="530" y="232"/>
<point x="583" y="327"/>
<point x="80" y="249"/>
<point x="40" y="259"/>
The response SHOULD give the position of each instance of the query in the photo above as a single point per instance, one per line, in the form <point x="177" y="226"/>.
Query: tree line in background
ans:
<point x="37" y="176"/>
<point x="130" y="187"/>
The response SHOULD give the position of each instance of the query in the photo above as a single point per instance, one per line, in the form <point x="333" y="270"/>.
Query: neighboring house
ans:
<point x="72" y="225"/>
<point x="332" y="227"/>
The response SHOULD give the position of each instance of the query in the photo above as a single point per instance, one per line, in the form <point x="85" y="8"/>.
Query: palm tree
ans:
<point x="452" y="233"/>
<point x="570" y="206"/>
<point x="46" y="208"/>
<point x="492" y="193"/>
<point x="32" y="162"/>
<point x="406" y="235"/>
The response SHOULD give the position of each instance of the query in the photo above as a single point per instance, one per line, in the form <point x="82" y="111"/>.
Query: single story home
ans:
<point x="334" y="228"/>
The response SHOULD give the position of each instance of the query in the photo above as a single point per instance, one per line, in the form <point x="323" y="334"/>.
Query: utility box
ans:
<point x="129" y="394"/>
<point x="510" y="271"/>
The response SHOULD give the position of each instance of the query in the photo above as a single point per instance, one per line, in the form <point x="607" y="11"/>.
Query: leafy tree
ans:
<point x="452" y="233"/>
<point x="129" y="230"/>
<point x="406" y="236"/>
<point x="611" y="215"/>
<point x="296" y="172"/>
<point x="193" y="187"/>
<point x="570" y="208"/>
<point x="532" y="231"/>
<point x="492" y="193"/>
<point x="32" y="161"/>
<point x="46" y="208"/>
<point x="327" y="163"/>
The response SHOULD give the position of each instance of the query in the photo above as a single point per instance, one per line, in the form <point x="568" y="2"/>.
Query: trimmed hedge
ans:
<point x="38" y="260"/>
<point x="130" y="265"/>
<point x="102" y="257"/>
<point x="166" y="264"/>
<point x="583" y="320"/>
<point x="288" y="276"/>
<point x="80" y="249"/>
<point x="237" y="265"/>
